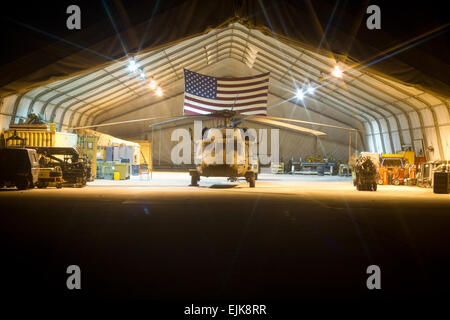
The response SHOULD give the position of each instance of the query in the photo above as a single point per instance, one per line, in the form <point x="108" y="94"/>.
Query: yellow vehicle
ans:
<point x="392" y="167"/>
<point x="50" y="177"/>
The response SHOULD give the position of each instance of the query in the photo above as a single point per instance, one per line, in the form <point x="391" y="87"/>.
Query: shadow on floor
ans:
<point x="223" y="186"/>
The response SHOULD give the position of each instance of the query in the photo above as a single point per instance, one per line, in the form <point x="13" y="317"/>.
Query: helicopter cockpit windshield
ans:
<point x="226" y="148"/>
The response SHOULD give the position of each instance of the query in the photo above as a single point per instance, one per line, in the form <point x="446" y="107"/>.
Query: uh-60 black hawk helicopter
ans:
<point x="243" y="162"/>
<point x="238" y="156"/>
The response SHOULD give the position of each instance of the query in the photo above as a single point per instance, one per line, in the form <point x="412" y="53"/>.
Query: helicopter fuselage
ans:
<point x="226" y="156"/>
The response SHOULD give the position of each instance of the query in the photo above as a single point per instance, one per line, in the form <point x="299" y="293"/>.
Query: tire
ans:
<point x="374" y="187"/>
<point x="256" y="176"/>
<point x="30" y="183"/>
<point x="194" y="180"/>
<point x="252" y="181"/>
<point x="58" y="186"/>
<point x="358" y="187"/>
<point x="396" y="182"/>
<point x="22" y="184"/>
<point x="380" y="182"/>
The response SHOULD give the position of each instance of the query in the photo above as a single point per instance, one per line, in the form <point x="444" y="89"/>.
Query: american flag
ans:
<point x="205" y="94"/>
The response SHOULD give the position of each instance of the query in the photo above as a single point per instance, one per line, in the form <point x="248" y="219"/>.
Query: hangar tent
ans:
<point x="395" y="101"/>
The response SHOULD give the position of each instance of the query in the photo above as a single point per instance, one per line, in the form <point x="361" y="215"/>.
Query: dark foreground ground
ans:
<point x="288" y="238"/>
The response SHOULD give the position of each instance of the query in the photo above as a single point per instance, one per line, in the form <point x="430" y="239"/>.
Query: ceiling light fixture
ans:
<point x="152" y="84"/>
<point x="310" y="89"/>
<point x="132" y="66"/>
<point x="337" y="72"/>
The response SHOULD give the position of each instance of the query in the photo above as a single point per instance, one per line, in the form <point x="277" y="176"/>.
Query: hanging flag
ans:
<point x="205" y="94"/>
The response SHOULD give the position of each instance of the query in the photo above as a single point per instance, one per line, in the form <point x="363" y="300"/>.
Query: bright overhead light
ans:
<point x="300" y="94"/>
<point x="159" y="92"/>
<point x="152" y="84"/>
<point x="310" y="89"/>
<point x="132" y="66"/>
<point x="142" y="75"/>
<point x="337" y="72"/>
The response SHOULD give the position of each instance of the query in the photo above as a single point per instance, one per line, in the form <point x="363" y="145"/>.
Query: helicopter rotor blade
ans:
<point x="207" y="116"/>
<point x="264" y="120"/>
<point x="235" y="123"/>
<point x="188" y="117"/>
<point x="309" y="122"/>
<point x="276" y="121"/>
<point x="120" y="122"/>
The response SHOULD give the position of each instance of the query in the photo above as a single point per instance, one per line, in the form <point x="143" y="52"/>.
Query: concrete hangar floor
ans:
<point x="290" y="237"/>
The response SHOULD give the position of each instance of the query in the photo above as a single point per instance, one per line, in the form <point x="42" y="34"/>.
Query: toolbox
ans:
<point x="441" y="182"/>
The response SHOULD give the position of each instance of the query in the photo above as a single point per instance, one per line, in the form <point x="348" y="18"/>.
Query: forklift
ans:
<point x="50" y="177"/>
<point x="391" y="171"/>
<point x="76" y="170"/>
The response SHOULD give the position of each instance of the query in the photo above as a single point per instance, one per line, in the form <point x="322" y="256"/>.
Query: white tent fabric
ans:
<point x="389" y="114"/>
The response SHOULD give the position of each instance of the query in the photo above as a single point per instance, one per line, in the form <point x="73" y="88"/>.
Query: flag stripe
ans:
<point x="229" y="107"/>
<point x="231" y="99"/>
<point x="209" y="110"/>
<point x="228" y="103"/>
<point x="196" y="112"/>
<point x="240" y="95"/>
<point x="191" y="111"/>
<point x="237" y="85"/>
<point x="240" y="88"/>
<point x="244" y="78"/>
<point x="243" y="91"/>
<point x="225" y="97"/>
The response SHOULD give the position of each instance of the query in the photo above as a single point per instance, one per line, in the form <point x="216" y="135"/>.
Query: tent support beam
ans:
<point x="16" y="107"/>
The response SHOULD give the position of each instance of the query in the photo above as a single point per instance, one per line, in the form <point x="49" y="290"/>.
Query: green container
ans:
<point x="123" y="169"/>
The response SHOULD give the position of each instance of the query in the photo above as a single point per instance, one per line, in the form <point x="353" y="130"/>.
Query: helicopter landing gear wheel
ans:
<point x="195" y="178"/>
<point x="251" y="180"/>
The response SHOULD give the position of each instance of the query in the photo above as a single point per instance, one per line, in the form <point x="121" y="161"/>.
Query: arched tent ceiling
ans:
<point x="301" y="23"/>
<point x="392" y="113"/>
